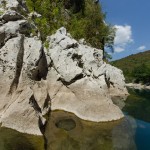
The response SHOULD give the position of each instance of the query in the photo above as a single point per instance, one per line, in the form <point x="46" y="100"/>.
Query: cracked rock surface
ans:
<point x="85" y="84"/>
<point x="68" y="75"/>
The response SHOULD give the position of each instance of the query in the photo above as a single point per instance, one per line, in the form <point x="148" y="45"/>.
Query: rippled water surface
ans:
<point x="65" y="131"/>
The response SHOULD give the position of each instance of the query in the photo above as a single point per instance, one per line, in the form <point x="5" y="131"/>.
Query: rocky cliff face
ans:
<point x="68" y="75"/>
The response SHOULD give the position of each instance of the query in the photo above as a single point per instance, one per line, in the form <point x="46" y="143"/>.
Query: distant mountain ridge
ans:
<point x="133" y="64"/>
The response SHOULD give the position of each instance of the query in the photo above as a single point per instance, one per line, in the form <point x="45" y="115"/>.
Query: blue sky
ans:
<point x="132" y="21"/>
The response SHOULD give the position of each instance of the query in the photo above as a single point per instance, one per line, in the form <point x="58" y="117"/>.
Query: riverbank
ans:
<point x="137" y="86"/>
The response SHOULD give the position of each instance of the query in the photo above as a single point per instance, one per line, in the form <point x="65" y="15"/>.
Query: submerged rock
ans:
<point x="68" y="75"/>
<point x="116" y="135"/>
<point x="66" y="124"/>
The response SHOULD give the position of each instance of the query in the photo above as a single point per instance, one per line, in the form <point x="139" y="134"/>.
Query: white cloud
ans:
<point x="122" y="38"/>
<point x="118" y="49"/>
<point x="141" y="48"/>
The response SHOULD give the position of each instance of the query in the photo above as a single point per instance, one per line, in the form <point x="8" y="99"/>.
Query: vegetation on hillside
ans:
<point x="136" y="68"/>
<point x="82" y="18"/>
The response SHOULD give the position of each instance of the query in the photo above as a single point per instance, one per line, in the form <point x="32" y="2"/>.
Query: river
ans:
<point x="65" y="131"/>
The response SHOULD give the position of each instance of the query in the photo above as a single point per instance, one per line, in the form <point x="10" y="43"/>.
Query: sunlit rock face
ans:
<point x="20" y="56"/>
<point x="68" y="75"/>
<point x="85" y="83"/>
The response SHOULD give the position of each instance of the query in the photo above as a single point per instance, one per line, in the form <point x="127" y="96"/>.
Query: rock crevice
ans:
<point x="19" y="64"/>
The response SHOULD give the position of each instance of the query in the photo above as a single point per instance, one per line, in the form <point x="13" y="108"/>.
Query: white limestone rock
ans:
<point x="90" y="82"/>
<point x="12" y="29"/>
<point x="13" y="5"/>
<point x="69" y="75"/>
<point x="16" y="85"/>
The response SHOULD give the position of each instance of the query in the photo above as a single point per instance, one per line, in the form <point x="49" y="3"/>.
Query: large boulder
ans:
<point x="85" y="83"/>
<point x="68" y="75"/>
<point x="18" y="58"/>
<point x="22" y="63"/>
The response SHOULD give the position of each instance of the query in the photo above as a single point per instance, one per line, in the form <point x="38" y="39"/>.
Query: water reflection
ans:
<point x="143" y="135"/>
<point x="124" y="134"/>
<point x="117" y="135"/>
<point x="138" y="104"/>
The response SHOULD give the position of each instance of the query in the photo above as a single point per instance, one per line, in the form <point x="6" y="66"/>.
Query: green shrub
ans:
<point x="82" y="18"/>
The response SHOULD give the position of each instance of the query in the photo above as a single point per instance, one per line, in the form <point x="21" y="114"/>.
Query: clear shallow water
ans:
<point x="142" y="137"/>
<point x="138" y="106"/>
<point x="117" y="135"/>
<point x="65" y="131"/>
<point x="13" y="140"/>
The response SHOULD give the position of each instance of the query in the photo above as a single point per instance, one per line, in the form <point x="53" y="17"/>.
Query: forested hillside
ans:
<point x="136" y="67"/>
<point x="82" y="18"/>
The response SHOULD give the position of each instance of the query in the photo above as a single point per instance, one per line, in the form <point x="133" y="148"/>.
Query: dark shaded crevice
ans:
<point x="111" y="83"/>
<point x="41" y="69"/>
<point x="6" y="17"/>
<point x="57" y="91"/>
<point x="107" y="80"/>
<point x="76" y="57"/>
<point x="52" y="65"/>
<point x="78" y="77"/>
<point x="10" y="37"/>
<point x="42" y="119"/>
<point x="80" y="64"/>
<point x="74" y="45"/>
<point x="47" y="112"/>
<point x="47" y="106"/>
<point x="47" y="103"/>
<point x="41" y="125"/>
<point x="4" y="40"/>
<point x="19" y="64"/>
<point x="25" y="28"/>
<point x="96" y="55"/>
<point x="34" y="104"/>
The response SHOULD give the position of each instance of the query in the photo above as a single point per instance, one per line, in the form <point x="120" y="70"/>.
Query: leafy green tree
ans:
<point x="82" y="18"/>
<point x="141" y="73"/>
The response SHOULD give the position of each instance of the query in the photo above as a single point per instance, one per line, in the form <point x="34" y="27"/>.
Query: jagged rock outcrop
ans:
<point x="21" y="58"/>
<point x="85" y="83"/>
<point x="68" y="75"/>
